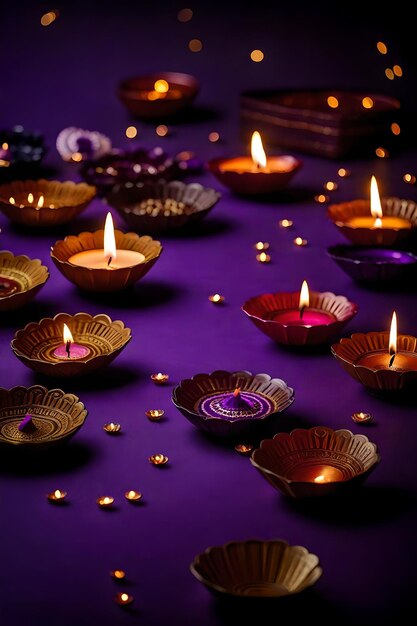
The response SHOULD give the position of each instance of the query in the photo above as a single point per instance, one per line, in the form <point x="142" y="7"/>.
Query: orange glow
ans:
<point x="12" y="200"/>
<point x="367" y="102"/>
<point x="40" y="202"/>
<point x="330" y="186"/>
<point x="381" y="153"/>
<point x="213" y="137"/>
<point x="195" y="45"/>
<point x="5" y="146"/>
<point x="236" y="392"/>
<point x="161" y="86"/>
<point x="393" y="335"/>
<point x="389" y="73"/>
<point x="286" y="223"/>
<point x="48" y="18"/>
<point x="321" y="197"/>
<point x="299" y="241"/>
<point x="257" y="56"/>
<point x="184" y="15"/>
<point x="161" y="130"/>
<point x="304" y="296"/>
<point x="131" y="132"/>
<point x="333" y="102"/>
<point x="395" y="128"/>
<point x="109" y="239"/>
<point x="381" y="47"/>
<point x="30" y="198"/>
<point x="407" y="178"/>
<point x="319" y="479"/>
<point x="343" y="172"/>
<point x="257" y="151"/>
<point x="398" y="71"/>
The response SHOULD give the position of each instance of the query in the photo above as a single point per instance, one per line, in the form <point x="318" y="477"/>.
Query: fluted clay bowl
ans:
<point x="35" y="344"/>
<point x="56" y="417"/>
<point x="44" y="202"/>
<point x="208" y="401"/>
<point x="20" y="279"/>
<point x="162" y="206"/>
<point x="256" y="569"/>
<point x="317" y="461"/>
<point x="104" y="279"/>
<point x="341" y="214"/>
<point x="353" y="353"/>
<point x="265" y="312"/>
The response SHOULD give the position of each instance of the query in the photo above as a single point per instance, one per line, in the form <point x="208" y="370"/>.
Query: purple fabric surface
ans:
<point x="55" y="561"/>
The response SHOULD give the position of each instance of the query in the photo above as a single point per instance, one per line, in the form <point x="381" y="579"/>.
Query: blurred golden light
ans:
<point x="131" y="132"/>
<point x="286" y="223"/>
<point x="184" y="15"/>
<point x="48" y="18"/>
<point x="195" y="45"/>
<point x="367" y="102"/>
<point x="321" y="197"/>
<point x="5" y="146"/>
<point x="76" y="157"/>
<point x="382" y="153"/>
<point x="333" y="102"/>
<point x="299" y="241"/>
<point x="389" y="73"/>
<point x="343" y="172"/>
<point x="257" y="56"/>
<point x="407" y="178"/>
<point x="213" y="137"/>
<point x="395" y="128"/>
<point x="381" y="47"/>
<point x="161" y="85"/>
<point x="161" y="130"/>
<point x="397" y="69"/>
<point x="330" y="186"/>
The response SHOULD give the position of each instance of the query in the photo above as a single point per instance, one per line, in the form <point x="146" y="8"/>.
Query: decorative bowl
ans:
<point x="53" y="202"/>
<point x="56" y="416"/>
<point x="317" y="461"/>
<point x="262" y="311"/>
<point x="20" y="279"/>
<point x="103" y="279"/>
<point x="77" y="144"/>
<point x="35" y="344"/>
<point x="255" y="183"/>
<point x="206" y="401"/>
<point x="162" y="206"/>
<point x="350" y="351"/>
<point x="374" y="265"/>
<point x="142" y="101"/>
<point x="256" y="569"/>
<point x="341" y="214"/>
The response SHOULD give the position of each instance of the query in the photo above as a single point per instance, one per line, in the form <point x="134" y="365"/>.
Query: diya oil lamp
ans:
<point x="124" y="599"/>
<point x="57" y="497"/>
<point x="133" y="496"/>
<point x="301" y="318"/>
<point x="20" y="280"/>
<point x="106" y="260"/>
<point x="315" y="462"/>
<point x="232" y="404"/>
<point x="375" y="223"/>
<point x="105" y="502"/>
<point x="159" y="378"/>
<point x="257" y="174"/>
<point x="158" y="96"/>
<point x="381" y="361"/>
<point x="49" y="348"/>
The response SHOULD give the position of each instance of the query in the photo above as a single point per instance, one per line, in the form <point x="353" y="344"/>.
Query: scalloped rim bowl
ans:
<point x="35" y="343"/>
<point x="56" y="415"/>
<point x="68" y="199"/>
<point x="190" y="390"/>
<point x="198" y="201"/>
<point x="340" y="214"/>
<point x="30" y="274"/>
<point x="339" y="306"/>
<point x="371" y="264"/>
<point x="281" y="459"/>
<point x="256" y="569"/>
<point x="349" y="351"/>
<point x="103" y="279"/>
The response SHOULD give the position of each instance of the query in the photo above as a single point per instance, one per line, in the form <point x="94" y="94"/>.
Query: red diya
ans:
<point x="300" y="318"/>
<point x="231" y="404"/>
<point x="380" y="361"/>
<point x="256" y="174"/>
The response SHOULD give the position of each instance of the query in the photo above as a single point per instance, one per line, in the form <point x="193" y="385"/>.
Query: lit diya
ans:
<point x="300" y="318"/>
<point x="381" y="361"/>
<point x="256" y="174"/>
<point x="106" y="260"/>
<point x="377" y="222"/>
<point x="231" y="404"/>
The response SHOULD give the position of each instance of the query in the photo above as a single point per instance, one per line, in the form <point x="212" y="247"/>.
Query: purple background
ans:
<point x="55" y="561"/>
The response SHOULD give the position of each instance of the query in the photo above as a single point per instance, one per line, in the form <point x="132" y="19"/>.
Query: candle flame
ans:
<point x="161" y="86"/>
<point x="30" y="198"/>
<point x="304" y="296"/>
<point x="319" y="479"/>
<point x="236" y="392"/>
<point x="109" y="239"/>
<point x="257" y="151"/>
<point x="376" y="208"/>
<point x="393" y="335"/>
<point x="57" y="493"/>
<point x="40" y="202"/>
<point x="67" y="335"/>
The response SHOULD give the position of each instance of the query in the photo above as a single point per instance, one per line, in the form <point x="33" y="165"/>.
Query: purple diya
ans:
<point x="288" y="319"/>
<point x="136" y="166"/>
<point x="373" y="264"/>
<point x="231" y="404"/>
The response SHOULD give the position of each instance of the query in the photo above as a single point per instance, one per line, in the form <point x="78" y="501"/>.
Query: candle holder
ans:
<point x="37" y="344"/>
<point x="232" y="404"/>
<point x="272" y="314"/>
<point x="20" y="280"/>
<point x="158" y="96"/>
<point x="103" y="279"/>
<point x="347" y="218"/>
<point x="44" y="202"/>
<point x="56" y="417"/>
<point x="315" y="462"/>
<point x="374" y="265"/>
<point x="162" y="206"/>
<point x="256" y="569"/>
<point x="353" y="355"/>
<point x="241" y="176"/>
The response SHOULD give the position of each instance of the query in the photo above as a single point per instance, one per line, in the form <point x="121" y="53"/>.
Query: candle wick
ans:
<point x="109" y="261"/>
<point x="391" y="361"/>
<point x="68" y="349"/>
<point x="302" y="312"/>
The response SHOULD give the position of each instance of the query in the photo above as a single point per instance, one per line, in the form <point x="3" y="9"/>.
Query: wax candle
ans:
<point x="108" y="258"/>
<point x="70" y="350"/>
<point x="391" y="359"/>
<point x="8" y="286"/>
<point x="319" y="474"/>
<point x="304" y="315"/>
<point x="377" y="220"/>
